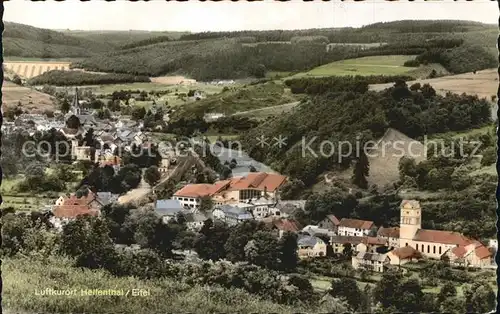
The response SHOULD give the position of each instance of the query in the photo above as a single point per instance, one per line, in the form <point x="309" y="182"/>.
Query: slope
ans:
<point x="28" y="41"/>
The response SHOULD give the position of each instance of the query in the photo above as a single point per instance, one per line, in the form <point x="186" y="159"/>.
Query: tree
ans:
<point x="263" y="250"/>
<point x="347" y="288"/>
<point x="361" y="171"/>
<point x="73" y="122"/>
<point x="211" y="240"/>
<point x="239" y="236"/>
<point x="152" y="175"/>
<point x="65" y="106"/>
<point x="489" y="156"/>
<point x="292" y="189"/>
<point x="206" y="204"/>
<point x="288" y="252"/>
<point x="392" y="291"/>
<point x="479" y="298"/>
<point x="347" y="251"/>
<point x="448" y="290"/>
<point x="407" y="167"/>
<point x="87" y="239"/>
<point x="226" y="173"/>
<point x="138" y="113"/>
<point x="387" y="291"/>
<point x="116" y="216"/>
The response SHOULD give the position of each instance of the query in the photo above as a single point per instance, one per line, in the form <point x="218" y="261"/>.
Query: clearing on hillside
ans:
<point x="384" y="158"/>
<point x="377" y="65"/>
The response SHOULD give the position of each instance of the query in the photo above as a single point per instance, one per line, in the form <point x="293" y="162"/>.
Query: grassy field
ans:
<point x="24" y="278"/>
<point x="377" y="65"/>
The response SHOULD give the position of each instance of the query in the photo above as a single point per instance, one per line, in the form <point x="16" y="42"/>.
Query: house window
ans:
<point x="406" y="244"/>
<point x="434" y="249"/>
<point x="439" y="250"/>
<point x="416" y="247"/>
<point x="428" y="248"/>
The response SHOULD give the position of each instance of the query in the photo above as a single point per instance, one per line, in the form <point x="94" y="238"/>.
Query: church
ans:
<point x="451" y="246"/>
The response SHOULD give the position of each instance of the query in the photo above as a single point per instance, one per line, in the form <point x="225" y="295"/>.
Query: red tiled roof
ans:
<point x="356" y="223"/>
<point x="333" y="219"/>
<point x="374" y="241"/>
<point x="286" y="225"/>
<point x="258" y="181"/>
<point x="406" y="252"/>
<point x="482" y="252"/>
<point x="346" y="239"/>
<point x="72" y="211"/>
<point x="479" y="249"/>
<point x="441" y="236"/>
<point x="459" y="251"/>
<point x="392" y="232"/>
<point x="201" y="190"/>
<point x="84" y="200"/>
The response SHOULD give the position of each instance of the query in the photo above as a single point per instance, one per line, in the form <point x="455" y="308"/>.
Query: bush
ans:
<point x="412" y="63"/>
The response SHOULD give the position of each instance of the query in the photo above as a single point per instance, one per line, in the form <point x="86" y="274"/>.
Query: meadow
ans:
<point x="376" y="65"/>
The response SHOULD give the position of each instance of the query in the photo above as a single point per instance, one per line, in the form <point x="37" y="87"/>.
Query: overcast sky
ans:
<point x="198" y="16"/>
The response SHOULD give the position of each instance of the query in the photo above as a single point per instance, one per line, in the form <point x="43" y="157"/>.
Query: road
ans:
<point x="280" y="107"/>
<point x="141" y="191"/>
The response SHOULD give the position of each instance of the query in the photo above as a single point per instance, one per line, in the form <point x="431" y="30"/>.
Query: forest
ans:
<point x="72" y="78"/>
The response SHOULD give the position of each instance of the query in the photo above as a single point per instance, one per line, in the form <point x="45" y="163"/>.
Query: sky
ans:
<point x="196" y="16"/>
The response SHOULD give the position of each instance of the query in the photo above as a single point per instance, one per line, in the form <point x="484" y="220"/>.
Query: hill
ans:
<point x="25" y="277"/>
<point x="27" y="41"/>
<point x="122" y="38"/>
<point x="319" y="130"/>
<point x="223" y="55"/>
<point x="234" y="100"/>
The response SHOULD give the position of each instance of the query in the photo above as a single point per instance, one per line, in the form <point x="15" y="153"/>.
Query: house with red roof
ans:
<point x="355" y="227"/>
<point x="390" y="234"/>
<point x="282" y="225"/>
<point x="330" y="222"/>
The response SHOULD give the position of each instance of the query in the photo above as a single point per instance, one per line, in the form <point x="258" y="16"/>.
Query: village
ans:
<point x="254" y="196"/>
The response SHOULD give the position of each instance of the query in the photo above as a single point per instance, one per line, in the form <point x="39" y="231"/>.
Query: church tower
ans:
<point x="411" y="221"/>
<point x="75" y="105"/>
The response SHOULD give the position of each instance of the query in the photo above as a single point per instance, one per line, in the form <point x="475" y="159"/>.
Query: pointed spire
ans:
<point x="76" y="102"/>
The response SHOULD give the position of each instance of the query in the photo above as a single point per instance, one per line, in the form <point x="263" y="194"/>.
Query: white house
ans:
<point x="355" y="227"/>
<point x="264" y="207"/>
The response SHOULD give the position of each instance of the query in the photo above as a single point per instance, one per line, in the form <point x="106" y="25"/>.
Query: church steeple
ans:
<point x="75" y="105"/>
<point x="411" y="220"/>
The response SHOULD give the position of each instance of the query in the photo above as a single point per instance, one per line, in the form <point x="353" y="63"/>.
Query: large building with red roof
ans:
<point x="232" y="191"/>
<point x="439" y="244"/>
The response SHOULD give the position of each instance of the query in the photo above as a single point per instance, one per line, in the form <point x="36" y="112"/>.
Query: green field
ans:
<point x="377" y="65"/>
